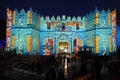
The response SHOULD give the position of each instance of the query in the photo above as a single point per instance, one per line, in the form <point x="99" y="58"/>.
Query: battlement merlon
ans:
<point x="30" y="17"/>
<point x="25" y="18"/>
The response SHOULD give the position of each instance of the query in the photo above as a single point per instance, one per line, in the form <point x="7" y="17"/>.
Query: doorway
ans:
<point x="63" y="47"/>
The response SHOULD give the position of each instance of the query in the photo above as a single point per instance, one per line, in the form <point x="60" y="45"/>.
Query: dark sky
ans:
<point x="60" y="7"/>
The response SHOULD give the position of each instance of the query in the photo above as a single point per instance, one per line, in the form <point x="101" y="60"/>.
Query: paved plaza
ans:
<point x="13" y="69"/>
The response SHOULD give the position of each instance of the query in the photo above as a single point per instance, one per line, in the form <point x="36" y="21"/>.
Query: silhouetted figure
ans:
<point x="68" y="58"/>
<point x="57" y="61"/>
<point x="51" y="74"/>
<point x="90" y="52"/>
<point x="14" y="52"/>
<point x="83" y="69"/>
<point x="39" y="67"/>
<point x="98" y="68"/>
<point x="60" y="75"/>
<point x="47" y="77"/>
<point x="32" y="67"/>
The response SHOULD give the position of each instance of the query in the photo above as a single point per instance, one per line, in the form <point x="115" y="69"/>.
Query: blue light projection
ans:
<point x="118" y="37"/>
<point x="1" y="45"/>
<point x="2" y="42"/>
<point x="31" y="33"/>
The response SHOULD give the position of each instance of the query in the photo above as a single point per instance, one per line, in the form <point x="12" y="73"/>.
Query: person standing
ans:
<point x="60" y="75"/>
<point x="98" y="68"/>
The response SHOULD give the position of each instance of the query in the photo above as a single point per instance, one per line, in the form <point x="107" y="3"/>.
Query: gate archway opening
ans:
<point x="63" y="47"/>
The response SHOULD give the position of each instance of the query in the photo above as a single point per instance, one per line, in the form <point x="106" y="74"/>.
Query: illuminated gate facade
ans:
<point x="30" y="33"/>
<point x="63" y="42"/>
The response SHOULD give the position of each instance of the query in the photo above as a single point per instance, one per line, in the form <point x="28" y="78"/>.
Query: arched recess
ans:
<point x="63" y="44"/>
<point x="77" y="43"/>
<point x="48" y="46"/>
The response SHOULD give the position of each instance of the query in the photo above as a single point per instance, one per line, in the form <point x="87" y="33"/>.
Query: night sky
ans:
<point x="57" y="7"/>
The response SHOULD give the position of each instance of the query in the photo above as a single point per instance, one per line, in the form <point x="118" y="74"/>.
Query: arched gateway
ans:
<point x="63" y="44"/>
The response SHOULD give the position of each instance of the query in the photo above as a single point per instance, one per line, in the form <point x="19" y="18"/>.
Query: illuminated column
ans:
<point x="29" y="44"/>
<point x="110" y="43"/>
<point x="28" y="12"/>
<point x="86" y="41"/>
<point x="29" y="17"/>
<point x="96" y="45"/>
<point x="96" y="19"/>
<point x="38" y="21"/>
<point x="13" y="41"/>
<point x="109" y="19"/>
<point x="14" y="17"/>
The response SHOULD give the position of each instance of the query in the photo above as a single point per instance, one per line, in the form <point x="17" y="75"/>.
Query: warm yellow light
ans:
<point x="29" y="17"/>
<point x="29" y="44"/>
<point x="38" y="21"/>
<point x="65" y="65"/>
<point x="14" y="17"/>
<point x="13" y="41"/>
<point x="110" y="43"/>
<point x="96" y="44"/>
<point x="96" y="18"/>
<point x="67" y="23"/>
<point x="108" y="18"/>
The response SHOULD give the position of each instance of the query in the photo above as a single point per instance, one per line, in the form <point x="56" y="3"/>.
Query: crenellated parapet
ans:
<point x="24" y="18"/>
<point x="63" y="23"/>
<point x="93" y="20"/>
<point x="99" y="19"/>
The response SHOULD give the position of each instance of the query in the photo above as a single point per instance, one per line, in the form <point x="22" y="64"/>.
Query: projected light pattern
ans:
<point x="2" y="42"/>
<point x="31" y="33"/>
<point x="118" y="37"/>
<point x="8" y="30"/>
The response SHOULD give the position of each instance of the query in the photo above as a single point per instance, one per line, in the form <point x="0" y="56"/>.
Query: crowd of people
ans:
<point x="51" y="65"/>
